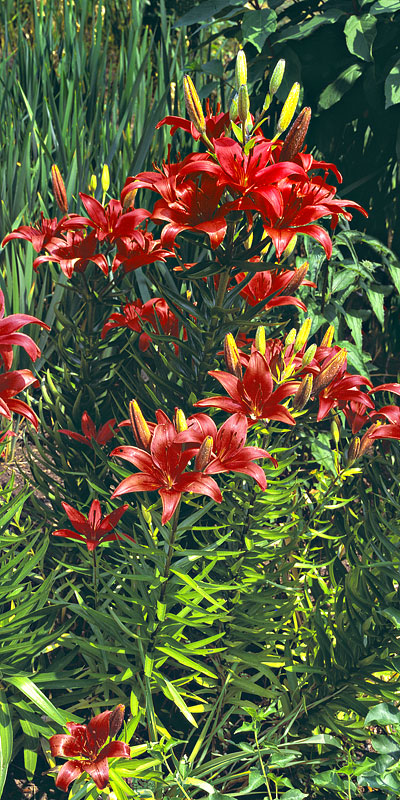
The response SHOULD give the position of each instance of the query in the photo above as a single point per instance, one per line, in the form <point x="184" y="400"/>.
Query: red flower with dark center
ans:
<point x="163" y="470"/>
<point x="93" y="529"/>
<point x="253" y="395"/>
<point x="271" y="284"/>
<point x="88" y="744"/>
<point x="73" y="253"/>
<point x="9" y="336"/>
<point x="155" y="311"/>
<point x="11" y="383"/>
<point x="216" y="124"/>
<point x="138" y="250"/>
<point x="43" y="233"/>
<point x="110" y="222"/>
<point x="89" y="432"/>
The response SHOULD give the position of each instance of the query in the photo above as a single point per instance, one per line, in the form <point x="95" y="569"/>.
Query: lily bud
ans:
<point x="295" y="138"/>
<point x="308" y="355"/>
<point x="289" y="248"/>
<point x="241" y="69"/>
<point x="302" y="336"/>
<point x="141" y="430"/>
<point x="249" y="241"/>
<point x="116" y="719"/>
<point x="329" y="373"/>
<point x="243" y="104"/>
<point x="335" y="430"/>
<point x="277" y="76"/>
<point x="180" y="421"/>
<point x="328" y="337"/>
<point x="129" y="199"/>
<point x="60" y="194"/>
<point x="303" y="394"/>
<point x="105" y="179"/>
<point x="260" y="341"/>
<point x="267" y="102"/>
<point x="297" y="279"/>
<point x="353" y="451"/>
<point x="289" y="108"/>
<point x="290" y="338"/>
<point x="231" y="355"/>
<point x="204" y="454"/>
<point x="366" y="444"/>
<point x="193" y="105"/>
<point x="92" y="184"/>
<point x="233" y="109"/>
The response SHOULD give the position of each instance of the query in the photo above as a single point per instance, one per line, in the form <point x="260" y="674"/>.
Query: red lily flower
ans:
<point x="137" y="250"/>
<point x="253" y="395"/>
<point x="155" y="311"/>
<point x="10" y="384"/>
<point x="110" y="222"/>
<point x="342" y="388"/>
<point x="163" y="469"/>
<point x="227" y="452"/>
<point x="89" y="432"/>
<point x="8" y="336"/>
<point x="216" y="124"/>
<point x="44" y="232"/>
<point x="277" y="285"/>
<point x="303" y="203"/>
<point x="73" y="253"/>
<point x="93" y="529"/>
<point x="88" y="744"/>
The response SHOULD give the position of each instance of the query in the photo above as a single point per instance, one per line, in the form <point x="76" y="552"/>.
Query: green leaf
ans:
<point x="188" y="662"/>
<point x="385" y="7"/>
<point x="27" y="687"/>
<point x="205" y="11"/>
<point x="392" y="86"/>
<point x="308" y="27"/>
<point x="6" y="739"/>
<point x="172" y="693"/>
<point x="293" y="794"/>
<point x="321" y="449"/>
<point x="343" y="83"/>
<point x="383" y="714"/>
<point x="360" y="34"/>
<point x="376" y="300"/>
<point x="257" y="26"/>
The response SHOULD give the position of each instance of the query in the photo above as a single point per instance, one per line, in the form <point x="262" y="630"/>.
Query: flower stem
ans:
<point x="95" y="579"/>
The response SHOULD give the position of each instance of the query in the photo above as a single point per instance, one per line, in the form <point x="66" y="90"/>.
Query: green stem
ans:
<point x="209" y="343"/>
<point x="95" y="579"/>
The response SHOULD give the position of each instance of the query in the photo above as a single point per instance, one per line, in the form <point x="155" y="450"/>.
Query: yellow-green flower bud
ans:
<point x="60" y="194"/>
<point x="92" y="184"/>
<point x="180" y="421"/>
<point x="193" y="105"/>
<point x="231" y="355"/>
<point x="303" y="394"/>
<point x="353" y="451"/>
<point x="267" y="102"/>
<point x="241" y="69"/>
<point x="243" y="104"/>
<point x="289" y="248"/>
<point x="105" y="179"/>
<point x="277" y="76"/>
<point x="335" y="430"/>
<point x="260" y="340"/>
<point x="330" y="372"/>
<point x="141" y="430"/>
<point x="289" y="108"/>
<point x="233" y="109"/>
<point x="302" y="335"/>
<point x="328" y="337"/>
<point x="290" y="338"/>
<point x="309" y="355"/>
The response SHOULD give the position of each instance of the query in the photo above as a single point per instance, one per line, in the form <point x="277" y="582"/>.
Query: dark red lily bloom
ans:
<point x="89" y="432"/>
<point x="110" y="222"/>
<point x="44" y="232"/>
<point x="227" y="452"/>
<point x="275" y="285"/>
<point x="138" y="250"/>
<point x="88" y="744"/>
<point x="304" y="202"/>
<point x="73" y="253"/>
<point x="163" y="470"/>
<point x="194" y="207"/>
<point x="253" y="395"/>
<point x="216" y="124"/>
<point x="9" y="336"/>
<point x="93" y="529"/>
<point x="155" y="311"/>
<point x="342" y="388"/>
<point x="390" y="431"/>
<point x="11" y="383"/>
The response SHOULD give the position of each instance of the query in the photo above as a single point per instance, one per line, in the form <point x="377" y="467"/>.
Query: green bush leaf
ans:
<point x="360" y="33"/>
<point x="385" y="7"/>
<point x="257" y="26"/>
<point x="383" y="714"/>
<point x="205" y="11"/>
<point x="392" y="86"/>
<point x="308" y="27"/>
<point x="6" y="739"/>
<point x="342" y="84"/>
